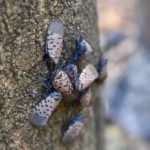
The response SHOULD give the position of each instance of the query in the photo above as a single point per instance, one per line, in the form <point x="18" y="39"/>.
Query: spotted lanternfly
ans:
<point x="82" y="48"/>
<point x="86" y="97"/>
<point x="62" y="83"/>
<point x="40" y="114"/>
<point x="102" y="68"/>
<point x="54" y="40"/>
<point x="72" y="128"/>
<point x="87" y="76"/>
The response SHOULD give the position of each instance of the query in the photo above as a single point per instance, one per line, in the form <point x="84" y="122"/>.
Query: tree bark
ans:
<point x="23" y="26"/>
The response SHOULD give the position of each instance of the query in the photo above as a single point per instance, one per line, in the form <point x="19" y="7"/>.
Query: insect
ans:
<point x="102" y="68"/>
<point x="54" y="40"/>
<point x="86" y="97"/>
<point x="41" y="113"/>
<point x="86" y="77"/>
<point x="82" y="47"/>
<point x="72" y="128"/>
<point x="62" y="83"/>
<point x="63" y="79"/>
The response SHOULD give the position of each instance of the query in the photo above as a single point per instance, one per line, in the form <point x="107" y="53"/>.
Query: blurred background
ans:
<point x="124" y="39"/>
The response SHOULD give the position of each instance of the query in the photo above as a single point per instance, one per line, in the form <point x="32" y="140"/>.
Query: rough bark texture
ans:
<point x="23" y="26"/>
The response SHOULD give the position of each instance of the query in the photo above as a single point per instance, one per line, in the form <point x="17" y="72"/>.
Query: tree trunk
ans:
<point x="23" y="25"/>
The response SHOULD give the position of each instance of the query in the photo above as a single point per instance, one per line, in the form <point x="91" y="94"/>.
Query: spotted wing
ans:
<point x="40" y="114"/>
<point x="87" y="76"/>
<point x="54" y="41"/>
<point x="72" y="132"/>
<point x="62" y="83"/>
